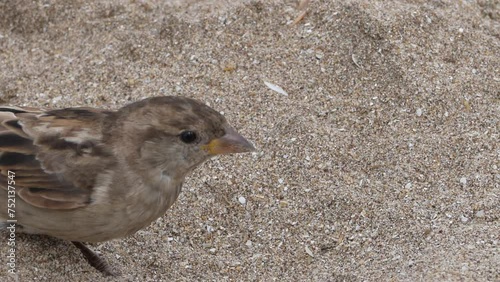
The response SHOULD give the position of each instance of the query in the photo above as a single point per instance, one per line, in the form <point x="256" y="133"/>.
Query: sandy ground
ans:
<point x="381" y="163"/>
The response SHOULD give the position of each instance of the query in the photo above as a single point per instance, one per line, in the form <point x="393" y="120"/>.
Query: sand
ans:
<point x="378" y="160"/>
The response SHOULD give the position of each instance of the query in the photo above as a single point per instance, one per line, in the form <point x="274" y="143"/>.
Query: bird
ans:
<point x="90" y="175"/>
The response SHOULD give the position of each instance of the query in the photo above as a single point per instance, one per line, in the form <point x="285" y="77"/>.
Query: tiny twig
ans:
<point x="303" y="4"/>
<point x="302" y="7"/>
<point x="299" y="17"/>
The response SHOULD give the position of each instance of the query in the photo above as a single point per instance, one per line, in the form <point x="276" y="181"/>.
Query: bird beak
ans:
<point x="230" y="143"/>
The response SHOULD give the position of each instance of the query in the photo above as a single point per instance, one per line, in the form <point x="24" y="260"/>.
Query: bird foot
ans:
<point x="95" y="260"/>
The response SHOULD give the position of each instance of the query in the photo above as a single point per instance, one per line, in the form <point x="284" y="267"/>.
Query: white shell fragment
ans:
<point x="355" y="60"/>
<point x="275" y="88"/>
<point x="309" y="252"/>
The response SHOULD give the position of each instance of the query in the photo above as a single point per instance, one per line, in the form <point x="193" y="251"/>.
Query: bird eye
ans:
<point x="188" y="136"/>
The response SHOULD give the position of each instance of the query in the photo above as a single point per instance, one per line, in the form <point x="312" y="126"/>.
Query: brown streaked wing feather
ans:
<point x="12" y="142"/>
<point x="56" y="155"/>
<point x="43" y="200"/>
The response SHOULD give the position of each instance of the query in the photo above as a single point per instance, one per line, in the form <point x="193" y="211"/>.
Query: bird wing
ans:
<point x="54" y="157"/>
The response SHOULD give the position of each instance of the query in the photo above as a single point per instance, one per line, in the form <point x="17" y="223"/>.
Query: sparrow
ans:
<point x="93" y="175"/>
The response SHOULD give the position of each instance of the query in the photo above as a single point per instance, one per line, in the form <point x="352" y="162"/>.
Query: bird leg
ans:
<point x="95" y="260"/>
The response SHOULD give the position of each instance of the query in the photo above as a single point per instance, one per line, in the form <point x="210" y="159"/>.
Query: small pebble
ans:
<point x="419" y="112"/>
<point x="283" y="204"/>
<point x="480" y="214"/>
<point x="242" y="200"/>
<point x="463" y="181"/>
<point x="56" y="99"/>
<point x="463" y="219"/>
<point x="210" y="229"/>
